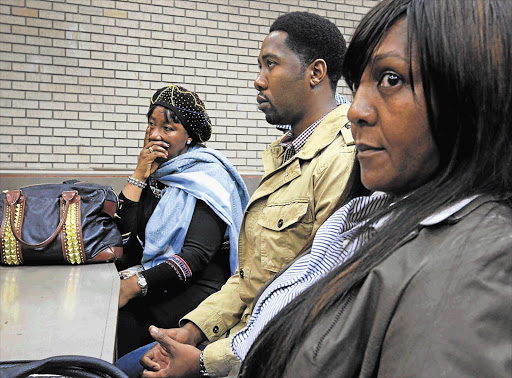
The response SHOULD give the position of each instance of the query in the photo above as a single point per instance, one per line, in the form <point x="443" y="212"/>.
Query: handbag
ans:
<point x="66" y="366"/>
<point x="71" y="223"/>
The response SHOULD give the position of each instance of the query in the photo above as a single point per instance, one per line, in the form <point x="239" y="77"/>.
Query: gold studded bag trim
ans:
<point x="71" y="234"/>
<point x="11" y="248"/>
<point x="68" y="223"/>
<point x="69" y="228"/>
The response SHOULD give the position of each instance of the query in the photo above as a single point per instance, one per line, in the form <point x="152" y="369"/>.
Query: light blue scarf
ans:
<point x="204" y="174"/>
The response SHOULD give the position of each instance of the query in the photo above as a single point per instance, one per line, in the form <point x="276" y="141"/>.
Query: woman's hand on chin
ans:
<point x="149" y="158"/>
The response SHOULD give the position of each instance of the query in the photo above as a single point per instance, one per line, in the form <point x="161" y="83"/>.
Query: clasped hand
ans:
<point x="173" y="356"/>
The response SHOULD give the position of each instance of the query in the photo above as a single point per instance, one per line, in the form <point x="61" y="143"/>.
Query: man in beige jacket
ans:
<point x="305" y="173"/>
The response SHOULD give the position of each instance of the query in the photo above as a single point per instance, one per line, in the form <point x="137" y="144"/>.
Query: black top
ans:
<point x="201" y="250"/>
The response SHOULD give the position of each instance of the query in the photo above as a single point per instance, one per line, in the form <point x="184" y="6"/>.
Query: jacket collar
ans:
<point x="452" y="211"/>
<point x="332" y="125"/>
<point x="325" y="133"/>
<point x="455" y="212"/>
<point x="452" y="214"/>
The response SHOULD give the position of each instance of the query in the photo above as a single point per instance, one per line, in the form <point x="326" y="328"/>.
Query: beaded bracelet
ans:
<point x="137" y="183"/>
<point x="202" y="368"/>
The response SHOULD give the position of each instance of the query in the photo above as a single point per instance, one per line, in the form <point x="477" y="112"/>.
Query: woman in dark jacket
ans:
<point x="412" y="276"/>
<point x="180" y="205"/>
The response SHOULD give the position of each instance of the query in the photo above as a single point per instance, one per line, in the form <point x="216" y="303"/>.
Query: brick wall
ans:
<point x="76" y="75"/>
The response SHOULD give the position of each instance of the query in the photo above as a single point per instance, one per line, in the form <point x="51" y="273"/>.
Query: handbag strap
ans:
<point x="16" y="196"/>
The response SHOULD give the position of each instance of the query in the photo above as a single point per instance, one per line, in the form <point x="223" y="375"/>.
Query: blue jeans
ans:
<point x="129" y="363"/>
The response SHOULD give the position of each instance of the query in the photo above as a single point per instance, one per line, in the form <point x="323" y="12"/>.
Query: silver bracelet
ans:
<point x="135" y="182"/>
<point x="202" y="369"/>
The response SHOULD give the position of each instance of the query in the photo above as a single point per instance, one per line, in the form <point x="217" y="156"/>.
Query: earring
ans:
<point x="189" y="141"/>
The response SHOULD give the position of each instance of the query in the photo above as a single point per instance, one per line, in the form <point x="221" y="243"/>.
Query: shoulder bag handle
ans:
<point x="15" y="196"/>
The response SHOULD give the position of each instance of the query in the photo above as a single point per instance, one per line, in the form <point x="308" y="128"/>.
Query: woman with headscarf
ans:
<point x="412" y="275"/>
<point x="180" y="215"/>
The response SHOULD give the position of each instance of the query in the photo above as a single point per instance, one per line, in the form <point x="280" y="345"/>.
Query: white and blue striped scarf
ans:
<point x="331" y="247"/>
<point x="204" y="174"/>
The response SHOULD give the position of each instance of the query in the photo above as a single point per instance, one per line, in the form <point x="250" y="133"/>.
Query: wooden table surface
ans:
<point x="56" y="310"/>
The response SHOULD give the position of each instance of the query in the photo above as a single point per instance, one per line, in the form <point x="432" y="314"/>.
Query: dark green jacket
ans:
<point x="439" y="306"/>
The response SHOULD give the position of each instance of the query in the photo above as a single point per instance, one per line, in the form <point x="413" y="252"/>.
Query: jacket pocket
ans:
<point x="286" y="226"/>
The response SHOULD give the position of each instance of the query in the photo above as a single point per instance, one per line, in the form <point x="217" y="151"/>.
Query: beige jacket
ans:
<point x="284" y="213"/>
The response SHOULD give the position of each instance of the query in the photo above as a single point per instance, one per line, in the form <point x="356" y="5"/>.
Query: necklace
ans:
<point x="154" y="188"/>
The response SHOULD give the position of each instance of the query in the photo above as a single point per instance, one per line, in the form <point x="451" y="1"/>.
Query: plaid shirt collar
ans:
<point x="293" y="145"/>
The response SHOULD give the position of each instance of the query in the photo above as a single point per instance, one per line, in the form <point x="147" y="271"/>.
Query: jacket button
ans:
<point x="280" y="223"/>
<point x="241" y="273"/>
<point x="216" y="329"/>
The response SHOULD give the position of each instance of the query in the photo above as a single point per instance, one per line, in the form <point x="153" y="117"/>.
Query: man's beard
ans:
<point x="274" y="118"/>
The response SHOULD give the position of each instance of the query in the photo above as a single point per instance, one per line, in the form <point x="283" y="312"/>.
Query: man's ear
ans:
<point x="318" y="71"/>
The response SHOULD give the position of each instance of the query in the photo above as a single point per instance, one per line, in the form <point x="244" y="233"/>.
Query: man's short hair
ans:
<point x="312" y="37"/>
